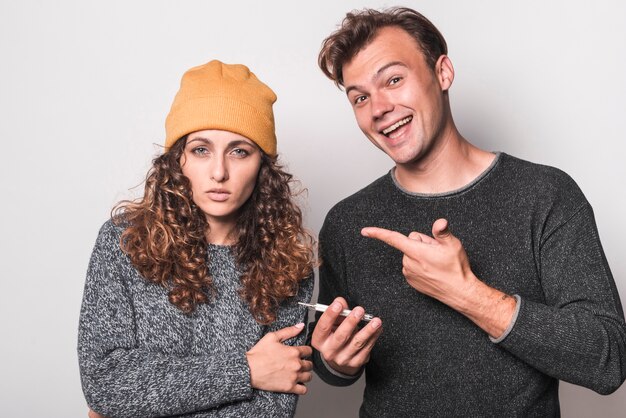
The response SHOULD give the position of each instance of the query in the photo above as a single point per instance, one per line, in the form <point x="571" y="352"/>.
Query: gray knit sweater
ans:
<point x="528" y="230"/>
<point x="140" y="356"/>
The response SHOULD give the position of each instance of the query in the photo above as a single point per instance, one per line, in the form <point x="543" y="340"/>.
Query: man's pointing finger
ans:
<point x="393" y="238"/>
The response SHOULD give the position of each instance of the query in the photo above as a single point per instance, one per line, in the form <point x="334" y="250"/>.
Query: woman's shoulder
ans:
<point x="112" y="227"/>
<point x="109" y="237"/>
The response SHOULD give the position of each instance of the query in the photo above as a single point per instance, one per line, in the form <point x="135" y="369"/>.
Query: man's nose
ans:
<point x="380" y="105"/>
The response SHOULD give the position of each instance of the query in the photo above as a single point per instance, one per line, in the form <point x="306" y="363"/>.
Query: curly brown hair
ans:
<point x="165" y="237"/>
<point x="359" y="28"/>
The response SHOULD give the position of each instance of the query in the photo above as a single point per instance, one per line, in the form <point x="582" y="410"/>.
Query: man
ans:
<point x="509" y="295"/>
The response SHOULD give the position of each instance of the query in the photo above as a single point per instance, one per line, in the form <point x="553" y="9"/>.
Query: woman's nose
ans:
<point x="219" y="171"/>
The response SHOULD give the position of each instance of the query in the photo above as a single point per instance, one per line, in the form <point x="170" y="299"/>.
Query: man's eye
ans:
<point x="359" y="99"/>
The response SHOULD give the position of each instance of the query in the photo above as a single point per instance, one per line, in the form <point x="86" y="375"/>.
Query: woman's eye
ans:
<point x="395" y="80"/>
<point x="240" y="152"/>
<point x="200" y="151"/>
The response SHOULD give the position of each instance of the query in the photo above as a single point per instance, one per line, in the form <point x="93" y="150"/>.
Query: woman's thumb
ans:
<point x="289" y="332"/>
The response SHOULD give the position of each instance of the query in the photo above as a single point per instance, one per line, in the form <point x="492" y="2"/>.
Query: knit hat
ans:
<point x="222" y="96"/>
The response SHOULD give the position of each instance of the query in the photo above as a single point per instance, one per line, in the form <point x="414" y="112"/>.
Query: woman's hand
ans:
<point x="277" y="367"/>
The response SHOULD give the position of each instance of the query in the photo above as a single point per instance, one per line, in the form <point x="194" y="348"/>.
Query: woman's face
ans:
<point x="223" y="167"/>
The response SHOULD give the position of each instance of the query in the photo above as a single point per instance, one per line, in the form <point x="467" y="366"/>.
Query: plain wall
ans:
<point x="85" y="87"/>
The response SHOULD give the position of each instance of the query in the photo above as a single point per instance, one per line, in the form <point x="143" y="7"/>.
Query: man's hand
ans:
<point x="277" y="367"/>
<point x="340" y="342"/>
<point x="438" y="266"/>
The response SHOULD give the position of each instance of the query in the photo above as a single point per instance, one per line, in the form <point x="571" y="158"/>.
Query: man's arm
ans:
<point x="438" y="267"/>
<point x="340" y="343"/>
<point x="341" y="349"/>
<point x="577" y="335"/>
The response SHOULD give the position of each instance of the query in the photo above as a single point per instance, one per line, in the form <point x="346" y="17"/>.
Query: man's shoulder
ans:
<point x="362" y="199"/>
<point x="541" y="186"/>
<point x="536" y="176"/>
<point x="347" y="217"/>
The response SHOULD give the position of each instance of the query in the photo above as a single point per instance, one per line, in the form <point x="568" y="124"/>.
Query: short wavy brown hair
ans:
<point x="165" y="239"/>
<point x="359" y="28"/>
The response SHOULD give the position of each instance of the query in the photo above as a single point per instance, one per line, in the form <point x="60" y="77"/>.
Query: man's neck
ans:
<point x="450" y="166"/>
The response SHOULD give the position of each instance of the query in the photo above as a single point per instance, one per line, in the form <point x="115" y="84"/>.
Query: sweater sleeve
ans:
<point x="332" y="283"/>
<point x="578" y="333"/>
<point x="289" y="314"/>
<point x="120" y="378"/>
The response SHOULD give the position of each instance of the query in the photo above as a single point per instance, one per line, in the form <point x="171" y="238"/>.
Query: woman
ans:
<point x="190" y="304"/>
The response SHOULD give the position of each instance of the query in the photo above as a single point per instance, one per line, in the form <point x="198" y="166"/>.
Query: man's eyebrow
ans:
<point x="384" y="67"/>
<point x="376" y="74"/>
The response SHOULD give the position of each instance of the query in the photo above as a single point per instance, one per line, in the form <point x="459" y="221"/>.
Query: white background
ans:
<point x="85" y="87"/>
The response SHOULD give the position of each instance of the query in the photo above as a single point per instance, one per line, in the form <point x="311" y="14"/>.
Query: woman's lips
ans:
<point x="218" y="195"/>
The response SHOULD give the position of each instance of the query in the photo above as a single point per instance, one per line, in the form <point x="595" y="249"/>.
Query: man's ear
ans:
<point x="444" y="72"/>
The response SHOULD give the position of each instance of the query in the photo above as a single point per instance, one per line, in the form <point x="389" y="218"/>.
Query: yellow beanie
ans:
<point x="222" y="96"/>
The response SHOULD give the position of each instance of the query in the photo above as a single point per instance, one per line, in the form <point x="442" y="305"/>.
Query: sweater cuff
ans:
<point x="518" y="303"/>
<point x="337" y="373"/>
<point x="330" y="375"/>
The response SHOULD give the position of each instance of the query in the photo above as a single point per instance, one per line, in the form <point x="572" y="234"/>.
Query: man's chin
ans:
<point x="401" y="158"/>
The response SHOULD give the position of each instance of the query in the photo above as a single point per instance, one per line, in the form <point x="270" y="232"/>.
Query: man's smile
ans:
<point x="388" y="132"/>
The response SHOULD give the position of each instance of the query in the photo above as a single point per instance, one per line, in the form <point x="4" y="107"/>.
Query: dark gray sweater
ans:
<point x="140" y="356"/>
<point x="528" y="230"/>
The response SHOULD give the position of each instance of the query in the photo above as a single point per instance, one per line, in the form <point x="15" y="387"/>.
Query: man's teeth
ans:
<point x="397" y="125"/>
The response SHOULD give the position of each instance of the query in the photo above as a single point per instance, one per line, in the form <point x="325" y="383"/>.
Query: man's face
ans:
<point x="397" y="99"/>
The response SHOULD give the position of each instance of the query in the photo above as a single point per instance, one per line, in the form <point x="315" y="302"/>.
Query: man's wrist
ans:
<point x="464" y="298"/>
<point x="339" y="371"/>
<point x="507" y="331"/>
<point x="489" y="308"/>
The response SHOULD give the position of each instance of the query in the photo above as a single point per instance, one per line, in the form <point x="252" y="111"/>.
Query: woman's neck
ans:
<point x="221" y="233"/>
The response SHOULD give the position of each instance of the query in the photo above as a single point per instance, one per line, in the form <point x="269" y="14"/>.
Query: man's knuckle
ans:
<point x="341" y="338"/>
<point x="358" y="343"/>
<point x="323" y="327"/>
